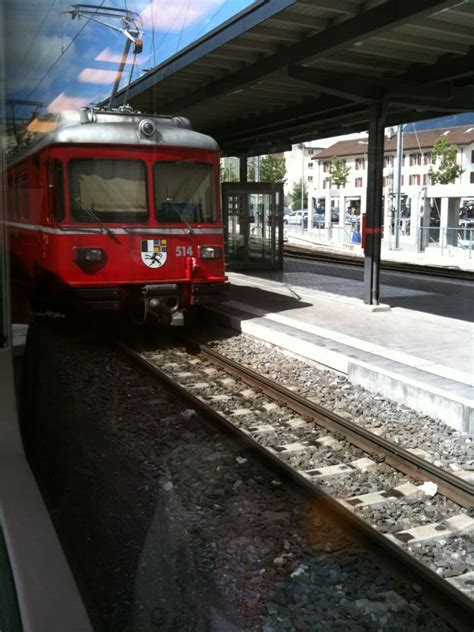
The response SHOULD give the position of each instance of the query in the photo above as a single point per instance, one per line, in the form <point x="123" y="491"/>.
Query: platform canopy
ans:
<point x="288" y="71"/>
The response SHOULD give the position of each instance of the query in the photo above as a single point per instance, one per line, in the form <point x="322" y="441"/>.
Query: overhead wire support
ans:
<point x="131" y="28"/>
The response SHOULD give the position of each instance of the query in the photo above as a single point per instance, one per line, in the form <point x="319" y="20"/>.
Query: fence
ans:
<point x="335" y="235"/>
<point x="446" y="239"/>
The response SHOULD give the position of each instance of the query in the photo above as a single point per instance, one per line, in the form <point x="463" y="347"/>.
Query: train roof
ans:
<point x="121" y="127"/>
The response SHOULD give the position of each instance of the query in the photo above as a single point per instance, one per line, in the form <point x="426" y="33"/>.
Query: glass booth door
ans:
<point x="253" y="225"/>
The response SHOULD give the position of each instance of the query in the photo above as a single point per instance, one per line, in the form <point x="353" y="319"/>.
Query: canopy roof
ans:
<point x="287" y="71"/>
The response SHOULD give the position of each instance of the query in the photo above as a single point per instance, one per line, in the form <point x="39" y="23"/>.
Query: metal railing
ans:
<point x="446" y="239"/>
<point x="334" y="235"/>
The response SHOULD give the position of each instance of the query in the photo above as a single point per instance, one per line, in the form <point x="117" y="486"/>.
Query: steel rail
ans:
<point x="450" y="485"/>
<point x="295" y="252"/>
<point x="447" y="600"/>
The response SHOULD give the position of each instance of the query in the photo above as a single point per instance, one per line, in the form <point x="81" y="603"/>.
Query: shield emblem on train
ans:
<point x="154" y="252"/>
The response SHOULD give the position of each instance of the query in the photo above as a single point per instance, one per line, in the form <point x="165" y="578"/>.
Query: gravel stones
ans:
<point x="441" y="444"/>
<point x="183" y="530"/>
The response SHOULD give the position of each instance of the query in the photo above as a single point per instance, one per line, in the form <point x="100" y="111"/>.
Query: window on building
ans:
<point x="415" y="159"/>
<point x="425" y="178"/>
<point x="310" y="165"/>
<point x="326" y="165"/>
<point x="388" y="161"/>
<point x="327" y="183"/>
<point x="358" y="182"/>
<point x="472" y="177"/>
<point x="472" y="155"/>
<point x="310" y="178"/>
<point x="427" y="158"/>
<point x="360" y="163"/>
<point x="414" y="179"/>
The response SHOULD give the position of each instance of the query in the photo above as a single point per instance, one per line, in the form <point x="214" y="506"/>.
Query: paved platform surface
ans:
<point x="416" y="357"/>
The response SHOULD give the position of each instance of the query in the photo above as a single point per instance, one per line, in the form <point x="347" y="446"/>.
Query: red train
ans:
<point x="118" y="210"/>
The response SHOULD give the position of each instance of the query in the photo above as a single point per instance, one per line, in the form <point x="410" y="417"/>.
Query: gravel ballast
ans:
<point x="168" y="526"/>
<point x="442" y="445"/>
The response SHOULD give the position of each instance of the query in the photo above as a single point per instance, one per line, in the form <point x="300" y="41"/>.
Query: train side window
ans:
<point x="23" y="195"/>
<point x="12" y="201"/>
<point x="58" y="191"/>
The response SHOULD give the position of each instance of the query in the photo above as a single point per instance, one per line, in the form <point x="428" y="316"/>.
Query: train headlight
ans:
<point x="147" y="127"/>
<point x="89" y="255"/>
<point x="210" y="252"/>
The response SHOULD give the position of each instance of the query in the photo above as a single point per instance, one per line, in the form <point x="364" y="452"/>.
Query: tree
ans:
<point x="228" y="172"/>
<point x="272" y="169"/>
<point x="296" y="196"/>
<point x="338" y="171"/>
<point x="448" y="169"/>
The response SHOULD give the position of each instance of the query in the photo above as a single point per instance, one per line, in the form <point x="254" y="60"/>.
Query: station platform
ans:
<point x="417" y="358"/>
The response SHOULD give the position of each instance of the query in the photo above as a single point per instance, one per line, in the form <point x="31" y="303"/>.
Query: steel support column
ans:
<point x="243" y="168"/>
<point x="373" y="218"/>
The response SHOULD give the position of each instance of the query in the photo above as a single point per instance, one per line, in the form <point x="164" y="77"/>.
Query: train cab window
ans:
<point x="58" y="191"/>
<point x="184" y="192"/>
<point x="114" y="190"/>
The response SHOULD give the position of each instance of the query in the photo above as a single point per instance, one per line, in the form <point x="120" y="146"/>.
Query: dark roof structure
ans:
<point x="287" y="71"/>
<point x="460" y="136"/>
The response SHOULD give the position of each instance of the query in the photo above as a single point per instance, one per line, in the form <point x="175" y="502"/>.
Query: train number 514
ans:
<point x="184" y="251"/>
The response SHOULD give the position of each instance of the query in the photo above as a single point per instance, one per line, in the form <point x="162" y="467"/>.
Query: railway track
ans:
<point x="296" y="252"/>
<point x="318" y="450"/>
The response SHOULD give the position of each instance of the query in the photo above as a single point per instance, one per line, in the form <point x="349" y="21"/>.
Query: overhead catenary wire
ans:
<point x="182" y="26"/>
<point x="160" y="43"/>
<point x="53" y="65"/>
<point x="40" y="28"/>
<point x="210" y="20"/>
<point x="154" y="4"/>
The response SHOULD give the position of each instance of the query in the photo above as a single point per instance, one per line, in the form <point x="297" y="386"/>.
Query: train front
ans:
<point x="144" y="217"/>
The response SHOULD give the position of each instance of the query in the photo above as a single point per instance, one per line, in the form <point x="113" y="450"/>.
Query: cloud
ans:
<point x="108" y="56"/>
<point x="97" y="77"/>
<point x="169" y="16"/>
<point x="62" y="102"/>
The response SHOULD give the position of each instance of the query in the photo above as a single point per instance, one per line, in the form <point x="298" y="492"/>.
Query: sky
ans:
<point x="66" y="63"/>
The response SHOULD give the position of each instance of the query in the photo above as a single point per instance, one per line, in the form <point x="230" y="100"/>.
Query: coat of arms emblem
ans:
<point x="154" y="252"/>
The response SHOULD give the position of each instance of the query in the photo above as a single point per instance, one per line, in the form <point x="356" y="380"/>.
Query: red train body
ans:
<point x="119" y="211"/>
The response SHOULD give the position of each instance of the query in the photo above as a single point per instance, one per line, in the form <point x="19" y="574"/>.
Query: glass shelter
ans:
<point x="253" y="225"/>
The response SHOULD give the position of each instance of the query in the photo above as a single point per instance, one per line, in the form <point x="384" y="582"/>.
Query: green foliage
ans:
<point x="251" y="170"/>
<point x="448" y="170"/>
<point x="296" y="196"/>
<point x="272" y="169"/>
<point x="338" y="172"/>
<point x="228" y="172"/>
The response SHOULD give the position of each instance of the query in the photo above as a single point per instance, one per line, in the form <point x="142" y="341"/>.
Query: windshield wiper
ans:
<point x="174" y="207"/>
<point x="91" y="213"/>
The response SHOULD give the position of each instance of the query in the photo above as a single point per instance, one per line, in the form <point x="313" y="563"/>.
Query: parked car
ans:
<point x="319" y="217"/>
<point x="319" y="220"/>
<point x="295" y="218"/>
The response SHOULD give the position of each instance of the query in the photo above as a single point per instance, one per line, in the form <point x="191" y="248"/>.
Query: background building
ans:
<point x="429" y="213"/>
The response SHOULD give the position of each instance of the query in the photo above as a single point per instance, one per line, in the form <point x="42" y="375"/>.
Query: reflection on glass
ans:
<point x="184" y="191"/>
<point x="115" y="190"/>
